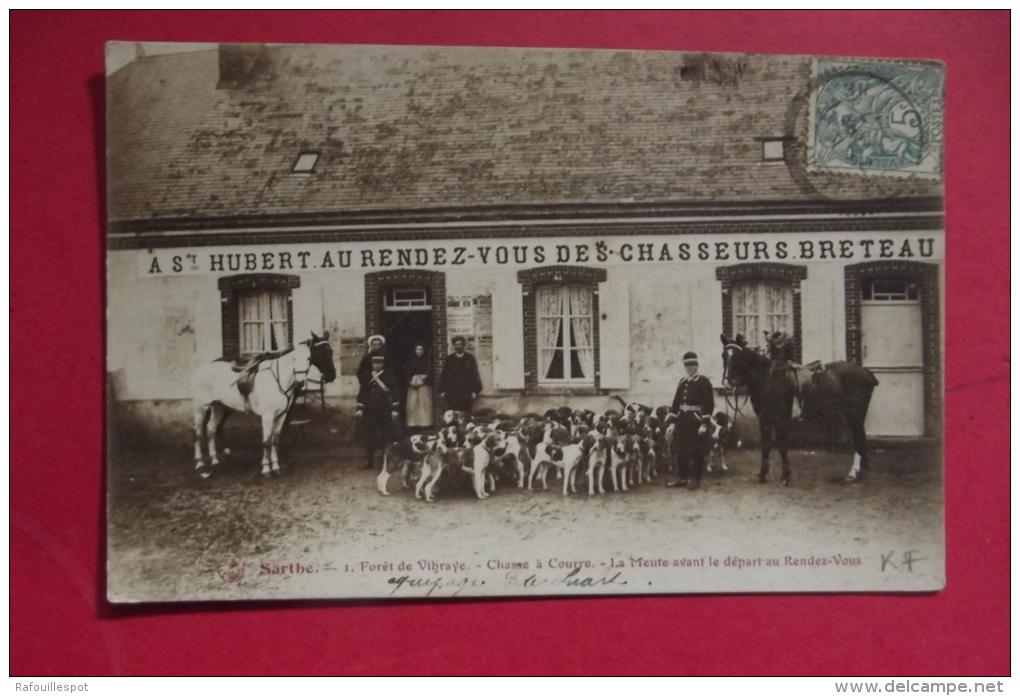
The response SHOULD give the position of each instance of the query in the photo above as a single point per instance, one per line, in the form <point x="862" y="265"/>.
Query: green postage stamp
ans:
<point x="876" y="118"/>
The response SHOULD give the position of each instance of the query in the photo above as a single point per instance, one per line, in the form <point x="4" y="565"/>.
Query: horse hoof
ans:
<point x="763" y="479"/>
<point x="205" y="474"/>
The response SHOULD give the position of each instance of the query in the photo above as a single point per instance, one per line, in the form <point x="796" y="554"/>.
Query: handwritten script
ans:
<point x="452" y="586"/>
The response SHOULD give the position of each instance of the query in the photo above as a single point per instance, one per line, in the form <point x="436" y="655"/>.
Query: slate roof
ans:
<point x="408" y="128"/>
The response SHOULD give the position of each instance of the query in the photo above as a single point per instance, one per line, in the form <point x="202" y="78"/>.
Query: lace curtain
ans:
<point x="263" y="322"/>
<point x="550" y="304"/>
<point x="579" y="306"/>
<point x="565" y="351"/>
<point x="778" y="308"/>
<point x="761" y="307"/>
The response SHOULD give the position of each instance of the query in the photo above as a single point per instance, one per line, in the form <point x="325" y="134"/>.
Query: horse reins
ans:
<point x="735" y="403"/>
<point x="276" y="373"/>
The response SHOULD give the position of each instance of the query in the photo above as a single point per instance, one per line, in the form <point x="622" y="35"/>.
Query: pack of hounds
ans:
<point x="482" y="448"/>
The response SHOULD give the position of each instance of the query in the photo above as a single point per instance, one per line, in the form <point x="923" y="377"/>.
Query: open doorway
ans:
<point x="407" y="322"/>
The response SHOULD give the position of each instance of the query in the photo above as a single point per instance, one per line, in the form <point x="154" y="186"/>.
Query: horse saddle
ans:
<point x="246" y="371"/>
<point x="246" y="381"/>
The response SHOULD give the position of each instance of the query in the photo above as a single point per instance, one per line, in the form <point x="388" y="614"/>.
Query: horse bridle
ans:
<point x="276" y="373"/>
<point x="311" y="345"/>
<point x="735" y="403"/>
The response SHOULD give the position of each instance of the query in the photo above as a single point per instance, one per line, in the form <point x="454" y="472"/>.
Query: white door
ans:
<point x="892" y="348"/>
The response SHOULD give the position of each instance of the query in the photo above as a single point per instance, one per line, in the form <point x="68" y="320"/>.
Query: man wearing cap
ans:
<point x="694" y="399"/>
<point x="378" y="408"/>
<point x="376" y="346"/>
<point x="460" y="382"/>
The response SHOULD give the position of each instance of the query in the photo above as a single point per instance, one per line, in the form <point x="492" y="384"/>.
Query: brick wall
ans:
<point x="927" y="276"/>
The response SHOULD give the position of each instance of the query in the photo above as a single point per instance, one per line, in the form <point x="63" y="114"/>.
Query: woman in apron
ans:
<point x="419" y="391"/>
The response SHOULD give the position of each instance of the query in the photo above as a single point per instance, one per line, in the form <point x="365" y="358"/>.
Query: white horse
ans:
<point x="266" y="388"/>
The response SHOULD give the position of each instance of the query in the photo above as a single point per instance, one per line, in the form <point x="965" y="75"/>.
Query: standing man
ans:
<point x="378" y="408"/>
<point x="376" y="346"/>
<point x="460" y="382"/>
<point x="694" y="399"/>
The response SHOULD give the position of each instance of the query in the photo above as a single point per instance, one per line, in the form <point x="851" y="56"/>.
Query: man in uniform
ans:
<point x="460" y="382"/>
<point x="378" y="408"/>
<point x="694" y="399"/>
<point x="376" y="346"/>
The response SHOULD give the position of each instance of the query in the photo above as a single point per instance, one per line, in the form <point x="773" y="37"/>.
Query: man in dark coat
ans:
<point x="460" y="382"/>
<point x="376" y="346"/>
<point x="694" y="399"/>
<point x="378" y="408"/>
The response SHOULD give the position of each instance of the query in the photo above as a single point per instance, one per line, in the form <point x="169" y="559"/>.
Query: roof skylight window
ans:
<point x="305" y="163"/>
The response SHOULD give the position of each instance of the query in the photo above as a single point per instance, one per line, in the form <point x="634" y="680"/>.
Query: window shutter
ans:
<point x="208" y="322"/>
<point x="706" y="325"/>
<point x="614" y="331"/>
<point x="507" y="334"/>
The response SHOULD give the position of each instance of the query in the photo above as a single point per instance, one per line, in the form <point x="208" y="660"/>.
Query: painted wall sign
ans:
<point x="526" y="253"/>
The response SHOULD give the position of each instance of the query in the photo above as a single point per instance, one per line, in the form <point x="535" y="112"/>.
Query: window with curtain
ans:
<point x="762" y="306"/>
<point x="566" y="348"/>
<point x="264" y="320"/>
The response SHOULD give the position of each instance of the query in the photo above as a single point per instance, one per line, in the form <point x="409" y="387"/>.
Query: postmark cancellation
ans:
<point x="876" y="118"/>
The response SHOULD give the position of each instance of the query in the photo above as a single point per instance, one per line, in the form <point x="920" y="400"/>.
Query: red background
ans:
<point x="60" y="623"/>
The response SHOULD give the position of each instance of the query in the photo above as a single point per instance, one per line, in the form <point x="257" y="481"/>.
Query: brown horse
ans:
<point x="776" y="386"/>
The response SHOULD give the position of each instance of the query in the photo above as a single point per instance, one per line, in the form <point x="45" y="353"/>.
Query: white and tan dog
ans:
<point x="405" y="455"/>
<point x="433" y="464"/>
<point x="568" y="458"/>
<point x="621" y="459"/>
<point x="491" y="448"/>
<point x="598" y="462"/>
<point x="474" y="459"/>
<point x="714" y="433"/>
<point x="517" y="456"/>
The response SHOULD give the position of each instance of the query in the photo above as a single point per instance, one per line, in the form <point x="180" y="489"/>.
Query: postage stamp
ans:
<point x="877" y="118"/>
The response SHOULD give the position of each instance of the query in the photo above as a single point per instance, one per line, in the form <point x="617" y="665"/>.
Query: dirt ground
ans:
<point x="321" y="529"/>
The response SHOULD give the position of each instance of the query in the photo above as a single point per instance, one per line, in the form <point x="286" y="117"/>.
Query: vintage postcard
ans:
<point x="407" y="322"/>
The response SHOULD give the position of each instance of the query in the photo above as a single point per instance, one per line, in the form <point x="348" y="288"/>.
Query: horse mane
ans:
<point x="256" y="359"/>
<point x="759" y="368"/>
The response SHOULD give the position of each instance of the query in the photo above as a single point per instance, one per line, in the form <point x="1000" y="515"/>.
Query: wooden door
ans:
<point x="892" y="348"/>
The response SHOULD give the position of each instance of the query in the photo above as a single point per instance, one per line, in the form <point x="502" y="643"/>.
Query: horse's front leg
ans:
<point x="217" y="416"/>
<point x="860" y="464"/>
<point x="781" y="433"/>
<point x="766" y="447"/>
<point x="268" y="448"/>
<point x="274" y="454"/>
